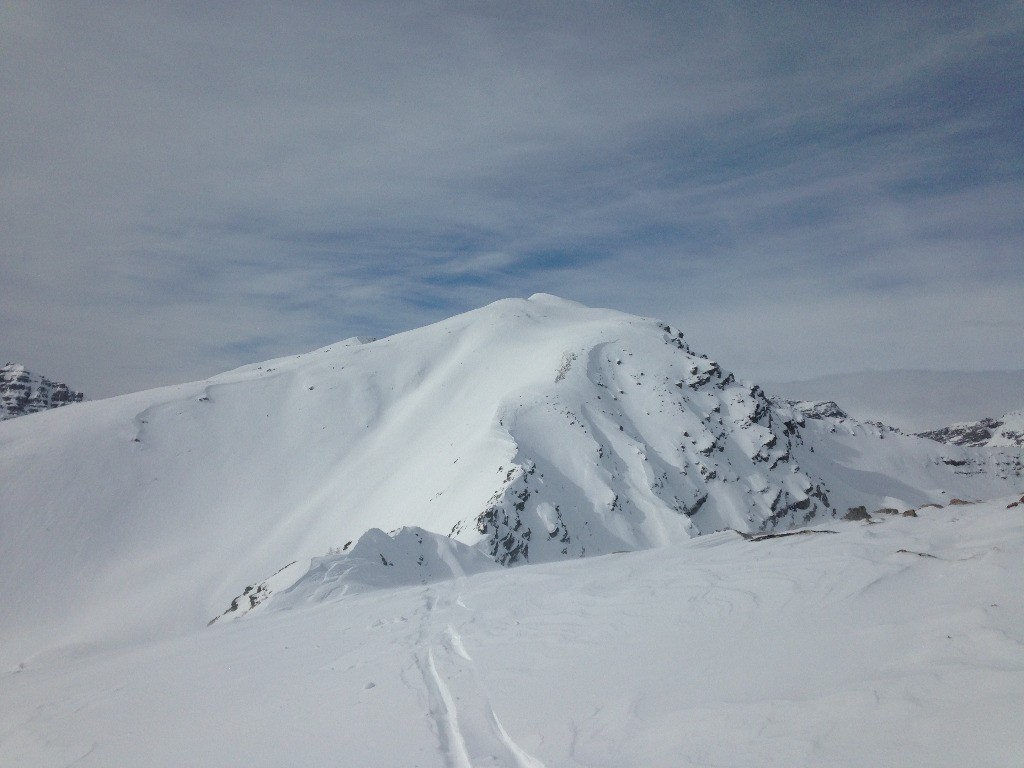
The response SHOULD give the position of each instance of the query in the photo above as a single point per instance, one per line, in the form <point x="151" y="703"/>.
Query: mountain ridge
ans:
<point x="913" y="400"/>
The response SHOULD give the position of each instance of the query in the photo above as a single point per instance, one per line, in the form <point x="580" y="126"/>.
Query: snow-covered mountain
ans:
<point x="1009" y="430"/>
<point x="528" y="431"/>
<point x="22" y="392"/>
<point x="531" y="430"/>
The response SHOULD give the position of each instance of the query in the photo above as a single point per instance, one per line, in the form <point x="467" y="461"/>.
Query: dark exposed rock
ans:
<point x="22" y="392"/>
<point x="857" y="513"/>
<point x="971" y="435"/>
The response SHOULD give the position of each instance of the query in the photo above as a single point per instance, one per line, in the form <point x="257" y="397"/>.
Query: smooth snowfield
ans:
<point x="894" y="643"/>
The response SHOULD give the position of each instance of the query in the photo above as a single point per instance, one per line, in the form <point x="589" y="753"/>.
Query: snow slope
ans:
<point x="898" y="643"/>
<point x="877" y="466"/>
<point x="531" y="430"/>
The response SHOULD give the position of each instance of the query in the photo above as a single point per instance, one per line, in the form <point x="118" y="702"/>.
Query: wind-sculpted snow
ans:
<point x="379" y="560"/>
<point x="529" y="430"/>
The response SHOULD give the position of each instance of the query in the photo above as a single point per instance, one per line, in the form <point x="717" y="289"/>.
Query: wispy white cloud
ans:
<point x="186" y="188"/>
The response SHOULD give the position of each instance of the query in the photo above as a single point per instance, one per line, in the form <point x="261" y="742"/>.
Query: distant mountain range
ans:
<point x="1005" y="431"/>
<point x="914" y="401"/>
<point x="22" y="392"/>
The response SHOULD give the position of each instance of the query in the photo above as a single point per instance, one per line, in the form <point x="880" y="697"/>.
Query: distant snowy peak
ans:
<point x="817" y="409"/>
<point x="1007" y="431"/>
<point x="22" y="392"/>
<point x="830" y="411"/>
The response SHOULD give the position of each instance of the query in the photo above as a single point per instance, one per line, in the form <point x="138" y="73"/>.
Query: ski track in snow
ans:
<point x="469" y="731"/>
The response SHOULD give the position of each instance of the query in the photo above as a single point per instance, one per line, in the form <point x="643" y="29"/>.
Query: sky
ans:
<point x="803" y="188"/>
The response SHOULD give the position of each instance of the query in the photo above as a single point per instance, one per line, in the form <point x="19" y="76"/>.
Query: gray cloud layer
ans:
<point x="804" y="188"/>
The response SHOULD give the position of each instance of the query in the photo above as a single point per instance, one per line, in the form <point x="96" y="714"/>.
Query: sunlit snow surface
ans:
<point x="895" y="643"/>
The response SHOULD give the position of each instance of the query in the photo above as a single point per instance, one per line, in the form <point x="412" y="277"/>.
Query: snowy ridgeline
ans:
<point x="528" y="431"/>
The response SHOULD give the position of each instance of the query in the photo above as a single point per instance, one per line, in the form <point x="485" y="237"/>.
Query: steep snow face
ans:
<point x="533" y="430"/>
<point x="1007" y="431"/>
<point x="635" y="442"/>
<point x="22" y="392"/>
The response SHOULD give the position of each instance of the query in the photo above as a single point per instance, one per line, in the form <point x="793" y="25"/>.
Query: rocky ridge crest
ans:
<point x="22" y="392"/>
<point x="1006" y="431"/>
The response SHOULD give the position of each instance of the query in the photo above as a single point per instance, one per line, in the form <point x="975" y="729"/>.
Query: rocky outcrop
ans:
<point x="971" y="434"/>
<point x="818" y="409"/>
<point x="22" y="392"/>
<point x="1009" y="430"/>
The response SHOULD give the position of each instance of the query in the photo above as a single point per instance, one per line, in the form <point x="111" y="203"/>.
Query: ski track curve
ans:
<point x="469" y="731"/>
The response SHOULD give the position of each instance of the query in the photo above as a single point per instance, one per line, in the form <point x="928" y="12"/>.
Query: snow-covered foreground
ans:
<point x="896" y="643"/>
